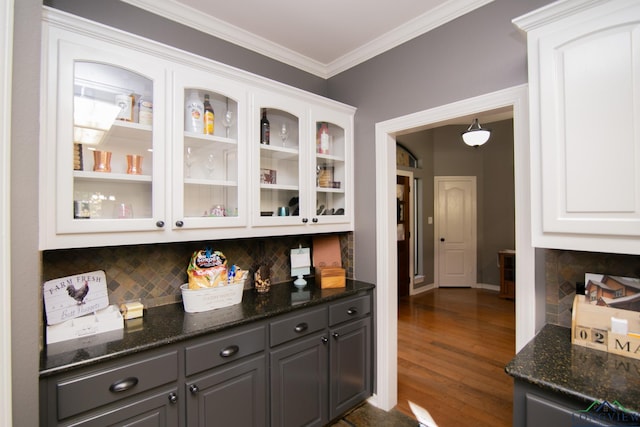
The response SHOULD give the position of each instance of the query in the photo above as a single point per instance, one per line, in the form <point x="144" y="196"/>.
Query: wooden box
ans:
<point x="330" y="277"/>
<point x="327" y="262"/>
<point x="591" y="327"/>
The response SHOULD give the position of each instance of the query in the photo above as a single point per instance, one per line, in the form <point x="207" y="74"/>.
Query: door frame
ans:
<point x="6" y="53"/>
<point x="515" y="97"/>
<point x="412" y="220"/>
<point x="436" y="234"/>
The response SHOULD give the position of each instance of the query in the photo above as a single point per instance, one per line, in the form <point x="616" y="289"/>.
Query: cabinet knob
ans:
<point x="160" y="224"/>
<point x="173" y="398"/>
<point x="301" y="327"/>
<point x="123" y="385"/>
<point x="305" y="220"/>
<point x="314" y="220"/>
<point x="179" y="223"/>
<point x="324" y="340"/>
<point x="352" y="311"/>
<point x="229" y="351"/>
<point x="335" y="335"/>
<point x="442" y="239"/>
<point x="194" y="389"/>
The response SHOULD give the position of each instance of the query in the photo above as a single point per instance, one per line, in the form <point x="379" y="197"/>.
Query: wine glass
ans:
<point x="210" y="165"/>
<point x="227" y="121"/>
<point x="284" y="133"/>
<point x="188" y="161"/>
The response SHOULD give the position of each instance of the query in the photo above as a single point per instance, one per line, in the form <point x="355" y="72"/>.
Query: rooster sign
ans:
<point x="69" y="297"/>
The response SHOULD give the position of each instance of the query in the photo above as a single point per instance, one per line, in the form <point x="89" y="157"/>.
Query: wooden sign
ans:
<point x="74" y="296"/>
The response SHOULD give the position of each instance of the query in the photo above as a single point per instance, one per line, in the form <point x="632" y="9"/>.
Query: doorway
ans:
<point x="456" y="231"/>
<point x="513" y="99"/>
<point x="404" y="224"/>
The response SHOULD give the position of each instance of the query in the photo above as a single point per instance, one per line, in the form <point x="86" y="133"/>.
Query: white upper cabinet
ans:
<point x="584" y="78"/>
<point x="127" y="158"/>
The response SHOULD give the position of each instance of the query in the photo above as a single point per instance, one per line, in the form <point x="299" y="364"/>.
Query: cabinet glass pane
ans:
<point x="210" y="155"/>
<point x="279" y="166"/>
<point x="330" y="169"/>
<point x="112" y="143"/>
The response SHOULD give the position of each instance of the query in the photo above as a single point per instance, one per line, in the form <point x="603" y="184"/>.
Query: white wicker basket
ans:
<point x="198" y="300"/>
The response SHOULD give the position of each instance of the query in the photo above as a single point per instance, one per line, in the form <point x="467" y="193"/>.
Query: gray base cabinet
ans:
<point x="304" y="368"/>
<point x="229" y="396"/>
<point x="350" y="364"/>
<point x="299" y="392"/>
<point x="534" y="407"/>
<point x="320" y="363"/>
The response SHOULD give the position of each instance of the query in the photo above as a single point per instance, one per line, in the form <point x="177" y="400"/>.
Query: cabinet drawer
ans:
<point x="89" y="391"/>
<point x="353" y="308"/>
<point x="297" y="326"/>
<point x="223" y="349"/>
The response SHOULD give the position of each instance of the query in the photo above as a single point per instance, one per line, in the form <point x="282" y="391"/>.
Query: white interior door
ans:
<point x="455" y="233"/>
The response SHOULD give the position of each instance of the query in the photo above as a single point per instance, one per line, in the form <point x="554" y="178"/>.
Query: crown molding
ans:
<point x="185" y="15"/>
<point x="421" y="24"/>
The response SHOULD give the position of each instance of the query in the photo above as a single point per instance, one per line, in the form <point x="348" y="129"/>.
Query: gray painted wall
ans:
<point x="478" y="53"/>
<point x="441" y="153"/>
<point x="428" y="71"/>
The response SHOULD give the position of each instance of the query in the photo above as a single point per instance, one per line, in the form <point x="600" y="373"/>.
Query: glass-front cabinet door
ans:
<point x="109" y="148"/>
<point x="279" y="144"/>
<point x="331" y="162"/>
<point x="209" y="155"/>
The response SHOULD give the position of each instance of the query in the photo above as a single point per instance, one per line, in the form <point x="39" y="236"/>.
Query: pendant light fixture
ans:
<point x="475" y="136"/>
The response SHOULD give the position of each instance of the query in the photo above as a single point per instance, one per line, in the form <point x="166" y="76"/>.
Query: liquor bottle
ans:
<point x="264" y="128"/>
<point x="194" y="114"/>
<point x="209" y="117"/>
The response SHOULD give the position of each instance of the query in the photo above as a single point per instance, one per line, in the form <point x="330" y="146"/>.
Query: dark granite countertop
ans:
<point x="170" y="323"/>
<point x="550" y="361"/>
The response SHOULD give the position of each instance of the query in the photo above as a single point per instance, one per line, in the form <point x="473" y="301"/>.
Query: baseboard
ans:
<point x="421" y="289"/>
<point x="488" y="287"/>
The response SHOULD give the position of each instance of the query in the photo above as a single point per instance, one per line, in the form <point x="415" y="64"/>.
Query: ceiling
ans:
<point x="323" y="38"/>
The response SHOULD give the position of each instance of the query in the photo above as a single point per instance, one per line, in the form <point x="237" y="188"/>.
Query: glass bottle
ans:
<point x="209" y="116"/>
<point x="264" y="128"/>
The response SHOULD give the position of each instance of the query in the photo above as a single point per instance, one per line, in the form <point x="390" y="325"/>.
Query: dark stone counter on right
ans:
<point x="561" y="384"/>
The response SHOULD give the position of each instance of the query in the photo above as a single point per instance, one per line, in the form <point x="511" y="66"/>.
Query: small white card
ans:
<point x="74" y="296"/>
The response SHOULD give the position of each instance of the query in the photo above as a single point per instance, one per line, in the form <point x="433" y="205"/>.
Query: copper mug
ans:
<point x="134" y="164"/>
<point x="101" y="161"/>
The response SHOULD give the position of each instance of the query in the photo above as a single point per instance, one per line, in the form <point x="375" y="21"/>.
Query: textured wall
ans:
<point x="154" y="273"/>
<point x="565" y="268"/>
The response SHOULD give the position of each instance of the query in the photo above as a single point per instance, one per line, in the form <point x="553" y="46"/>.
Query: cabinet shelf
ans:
<point x="329" y="157"/>
<point x="280" y="153"/>
<point x="125" y="132"/>
<point x="210" y="182"/>
<point x="279" y="187"/>
<point x="202" y="140"/>
<point x="329" y="190"/>
<point x="110" y="177"/>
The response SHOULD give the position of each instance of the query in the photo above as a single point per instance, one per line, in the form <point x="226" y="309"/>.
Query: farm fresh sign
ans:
<point x="74" y="296"/>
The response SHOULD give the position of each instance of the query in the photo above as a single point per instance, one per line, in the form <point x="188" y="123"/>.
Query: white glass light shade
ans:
<point x="475" y="135"/>
<point x="92" y="119"/>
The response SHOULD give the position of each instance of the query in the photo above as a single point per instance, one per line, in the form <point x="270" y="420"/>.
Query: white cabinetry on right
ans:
<point x="584" y="79"/>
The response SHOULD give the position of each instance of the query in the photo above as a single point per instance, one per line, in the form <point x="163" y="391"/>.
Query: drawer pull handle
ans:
<point x="352" y="311"/>
<point x="194" y="389"/>
<point x="301" y="327"/>
<point x="123" y="385"/>
<point x="173" y="398"/>
<point x="229" y="351"/>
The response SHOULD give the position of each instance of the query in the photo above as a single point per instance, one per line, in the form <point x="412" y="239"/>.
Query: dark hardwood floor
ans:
<point x="453" y="345"/>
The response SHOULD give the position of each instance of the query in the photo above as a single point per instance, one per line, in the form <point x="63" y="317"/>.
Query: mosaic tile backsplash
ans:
<point x="563" y="269"/>
<point x="154" y="273"/>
